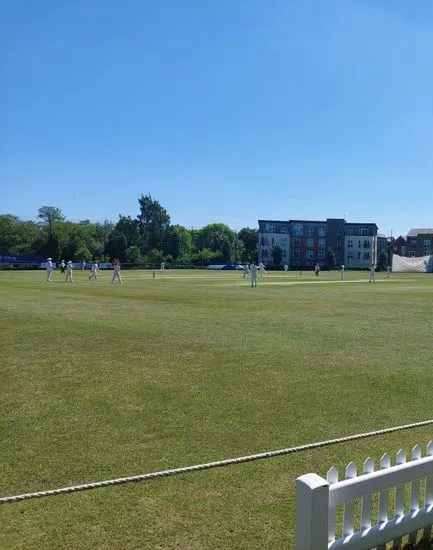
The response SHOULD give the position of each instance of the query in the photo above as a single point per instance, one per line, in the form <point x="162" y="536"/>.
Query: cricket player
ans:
<point x="253" y="273"/>
<point x="246" y="270"/>
<point x="342" y="272"/>
<point x="94" y="271"/>
<point x="49" y="267"/>
<point x="116" y="273"/>
<point x="62" y="266"/>
<point x="69" y="270"/>
<point x="162" y="267"/>
<point x="372" y="274"/>
<point x="262" y="269"/>
<point x="286" y="268"/>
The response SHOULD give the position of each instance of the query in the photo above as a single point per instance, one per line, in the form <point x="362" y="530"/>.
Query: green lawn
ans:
<point x="99" y="381"/>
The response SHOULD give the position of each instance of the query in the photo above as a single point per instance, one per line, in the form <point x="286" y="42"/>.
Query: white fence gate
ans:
<point x="377" y="506"/>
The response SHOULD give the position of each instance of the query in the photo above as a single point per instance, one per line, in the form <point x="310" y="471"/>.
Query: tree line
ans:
<point x="147" y="238"/>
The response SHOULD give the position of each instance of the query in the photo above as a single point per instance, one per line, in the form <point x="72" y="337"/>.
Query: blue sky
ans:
<point x="224" y="111"/>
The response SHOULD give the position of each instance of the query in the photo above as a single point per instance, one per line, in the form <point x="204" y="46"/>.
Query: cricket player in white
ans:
<point x="49" y="266"/>
<point x="262" y="269"/>
<point x="286" y="267"/>
<point x="162" y="267"/>
<point x="253" y="272"/>
<point x="116" y="274"/>
<point x="342" y="272"/>
<point x="246" y="271"/>
<point x="373" y="273"/>
<point x="95" y="271"/>
<point x="69" y="270"/>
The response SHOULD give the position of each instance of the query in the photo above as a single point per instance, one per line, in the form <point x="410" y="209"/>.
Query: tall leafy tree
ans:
<point x="153" y="222"/>
<point x="250" y="239"/>
<point x="49" y="215"/>
<point x="217" y="237"/>
<point x="331" y="258"/>
<point x="178" y="242"/>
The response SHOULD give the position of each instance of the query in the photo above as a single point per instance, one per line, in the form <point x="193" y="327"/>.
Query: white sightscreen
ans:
<point x="421" y="264"/>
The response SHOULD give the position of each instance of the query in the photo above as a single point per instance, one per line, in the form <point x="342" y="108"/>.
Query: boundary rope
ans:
<point x="206" y="466"/>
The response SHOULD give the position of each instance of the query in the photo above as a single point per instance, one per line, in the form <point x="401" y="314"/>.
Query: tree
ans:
<point x="133" y="255"/>
<point x="331" y="259"/>
<point x="178" y="242"/>
<point x="153" y="222"/>
<point x="277" y="254"/>
<point x="217" y="237"/>
<point x="129" y="228"/>
<point x="49" y="215"/>
<point x="116" y="246"/>
<point x="250" y="239"/>
<point x="83" y="253"/>
<point x="383" y="261"/>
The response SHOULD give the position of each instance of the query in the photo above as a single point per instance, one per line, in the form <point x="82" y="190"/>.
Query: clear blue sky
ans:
<point x="224" y="111"/>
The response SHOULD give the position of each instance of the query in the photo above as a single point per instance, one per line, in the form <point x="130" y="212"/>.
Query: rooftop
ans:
<point x="415" y="231"/>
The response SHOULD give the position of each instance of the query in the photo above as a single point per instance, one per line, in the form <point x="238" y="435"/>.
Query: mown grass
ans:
<point x="100" y="381"/>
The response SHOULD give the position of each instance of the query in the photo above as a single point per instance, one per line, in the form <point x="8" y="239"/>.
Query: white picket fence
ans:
<point x="377" y="506"/>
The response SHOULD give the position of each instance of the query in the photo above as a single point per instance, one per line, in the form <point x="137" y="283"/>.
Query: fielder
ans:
<point x="116" y="273"/>
<point x="262" y="269"/>
<point x="94" y="271"/>
<point x="69" y="270"/>
<point x="372" y="274"/>
<point x="49" y="266"/>
<point x="62" y="266"/>
<point x="246" y="270"/>
<point x="253" y="273"/>
<point x="342" y="272"/>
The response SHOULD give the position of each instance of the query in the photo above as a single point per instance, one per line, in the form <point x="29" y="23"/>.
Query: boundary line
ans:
<point x="206" y="466"/>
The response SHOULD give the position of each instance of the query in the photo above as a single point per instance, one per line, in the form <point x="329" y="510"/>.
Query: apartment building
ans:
<point x="304" y="243"/>
<point x="419" y="242"/>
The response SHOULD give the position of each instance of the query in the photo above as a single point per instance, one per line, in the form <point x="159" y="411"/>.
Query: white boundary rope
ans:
<point x="206" y="466"/>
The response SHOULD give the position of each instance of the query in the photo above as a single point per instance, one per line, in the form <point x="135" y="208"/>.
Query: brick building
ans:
<point x="304" y="243"/>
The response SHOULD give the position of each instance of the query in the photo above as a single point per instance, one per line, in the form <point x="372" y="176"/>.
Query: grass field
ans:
<point x="99" y="381"/>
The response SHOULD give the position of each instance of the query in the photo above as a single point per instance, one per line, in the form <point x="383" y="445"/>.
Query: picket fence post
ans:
<point x="312" y="501"/>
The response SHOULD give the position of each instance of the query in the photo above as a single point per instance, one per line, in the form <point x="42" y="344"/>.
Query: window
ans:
<point x="426" y="243"/>
<point x="349" y="243"/>
<point x="411" y="253"/>
<point x="321" y="243"/>
<point x="310" y="254"/>
<point x="366" y="256"/>
<point x="270" y="227"/>
<point x="310" y="243"/>
<point x="282" y="242"/>
<point x="364" y="231"/>
<point x="321" y="254"/>
<point x="349" y="231"/>
<point x="265" y="241"/>
<point x="359" y="244"/>
<point x="350" y="255"/>
<point x="295" y="243"/>
<point x="309" y="230"/>
<point x="298" y="229"/>
<point x="359" y="255"/>
<point x="338" y="241"/>
<point x="296" y="254"/>
<point x="322" y="231"/>
<point x="367" y="244"/>
<point x="412" y="242"/>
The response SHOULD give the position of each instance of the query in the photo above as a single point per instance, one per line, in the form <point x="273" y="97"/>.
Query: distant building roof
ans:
<point x="382" y="235"/>
<point x="415" y="231"/>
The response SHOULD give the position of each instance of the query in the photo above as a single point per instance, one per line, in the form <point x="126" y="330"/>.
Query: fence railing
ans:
<point x="366" y="511"/>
